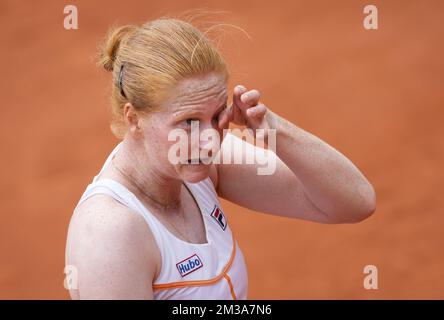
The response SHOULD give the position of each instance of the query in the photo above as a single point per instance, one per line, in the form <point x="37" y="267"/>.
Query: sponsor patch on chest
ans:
<point x="219" y="216"/>
<point x="189" y="265"/>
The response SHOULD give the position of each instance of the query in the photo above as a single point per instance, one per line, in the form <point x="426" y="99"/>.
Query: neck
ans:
<point x="139" y="173"/>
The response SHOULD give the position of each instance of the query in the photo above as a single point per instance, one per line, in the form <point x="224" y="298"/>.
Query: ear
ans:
<point x="132" y="118"/>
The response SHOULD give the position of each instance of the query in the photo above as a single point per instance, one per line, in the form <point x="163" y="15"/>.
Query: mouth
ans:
<point x="199" y="161"/>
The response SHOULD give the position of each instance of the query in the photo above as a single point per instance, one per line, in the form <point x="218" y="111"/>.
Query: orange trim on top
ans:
<point x="231" y="286"/>
<point x="164" y="286"/>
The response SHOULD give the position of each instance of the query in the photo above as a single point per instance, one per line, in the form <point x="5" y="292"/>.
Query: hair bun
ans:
<point x="111" y="45"/>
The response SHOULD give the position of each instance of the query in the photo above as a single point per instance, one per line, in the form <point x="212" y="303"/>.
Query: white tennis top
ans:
<point x="213" y="270"/>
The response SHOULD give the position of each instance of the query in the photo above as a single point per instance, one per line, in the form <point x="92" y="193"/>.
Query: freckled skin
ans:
<point x="104" y="234"/>
<point x="311" y="181"/>
<point x="200" y="97"/>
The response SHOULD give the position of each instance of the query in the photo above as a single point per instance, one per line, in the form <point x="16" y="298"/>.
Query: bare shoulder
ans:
<point x="102" y="215"/>
<point x="113" y="250"/>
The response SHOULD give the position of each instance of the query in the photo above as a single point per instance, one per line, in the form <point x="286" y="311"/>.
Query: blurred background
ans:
<point x="375" y="95"/>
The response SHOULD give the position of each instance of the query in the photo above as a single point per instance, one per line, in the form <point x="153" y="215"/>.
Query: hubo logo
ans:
<point x="189" y="265"/>
<point x="232" y="150"/>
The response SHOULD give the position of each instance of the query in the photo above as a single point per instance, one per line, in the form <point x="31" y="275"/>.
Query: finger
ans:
<point x="237" y="103"/>
<point x="257" y="111"/>
<point x="224" y="118"/>
<point x="250" y="98"/>
<point x="237" y="93"/>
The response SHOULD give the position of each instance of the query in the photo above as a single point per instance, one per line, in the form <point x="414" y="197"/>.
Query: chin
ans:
<point x="194" y="174"/>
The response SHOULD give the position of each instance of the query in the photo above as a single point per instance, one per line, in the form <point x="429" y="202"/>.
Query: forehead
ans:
<point x="198" y="91"/>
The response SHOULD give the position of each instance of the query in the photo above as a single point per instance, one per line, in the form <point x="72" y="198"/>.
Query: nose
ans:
<point x="206" y="150"/>
<point x="209" y="140"/>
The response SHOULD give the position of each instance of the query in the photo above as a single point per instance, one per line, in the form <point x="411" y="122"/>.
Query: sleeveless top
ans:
<point x="212" y="270"/>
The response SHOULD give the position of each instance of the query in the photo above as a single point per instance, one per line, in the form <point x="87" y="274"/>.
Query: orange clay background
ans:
<point x="376" y="96"/>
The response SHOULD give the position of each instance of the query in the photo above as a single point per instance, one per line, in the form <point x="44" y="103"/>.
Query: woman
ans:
<point x="151" y="228"/>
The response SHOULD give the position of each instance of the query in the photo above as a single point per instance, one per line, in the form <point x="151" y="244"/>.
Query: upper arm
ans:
<point x="112" y="249"/>
<point x="277" y="192"/>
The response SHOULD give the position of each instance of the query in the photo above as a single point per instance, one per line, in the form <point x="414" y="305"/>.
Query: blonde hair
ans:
<point x="146" y="61"/>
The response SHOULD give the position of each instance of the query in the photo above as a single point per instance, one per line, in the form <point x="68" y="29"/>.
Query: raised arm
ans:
<point x="312" y="180"/>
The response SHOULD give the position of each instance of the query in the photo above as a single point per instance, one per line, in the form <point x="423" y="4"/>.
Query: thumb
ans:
<point x="237" y="114"/>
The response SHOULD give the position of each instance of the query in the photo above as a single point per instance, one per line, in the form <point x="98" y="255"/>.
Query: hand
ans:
<point x="246" y="110"/>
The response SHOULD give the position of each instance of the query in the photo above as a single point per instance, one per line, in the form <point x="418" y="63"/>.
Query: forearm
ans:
<point x="330" y="181"/>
